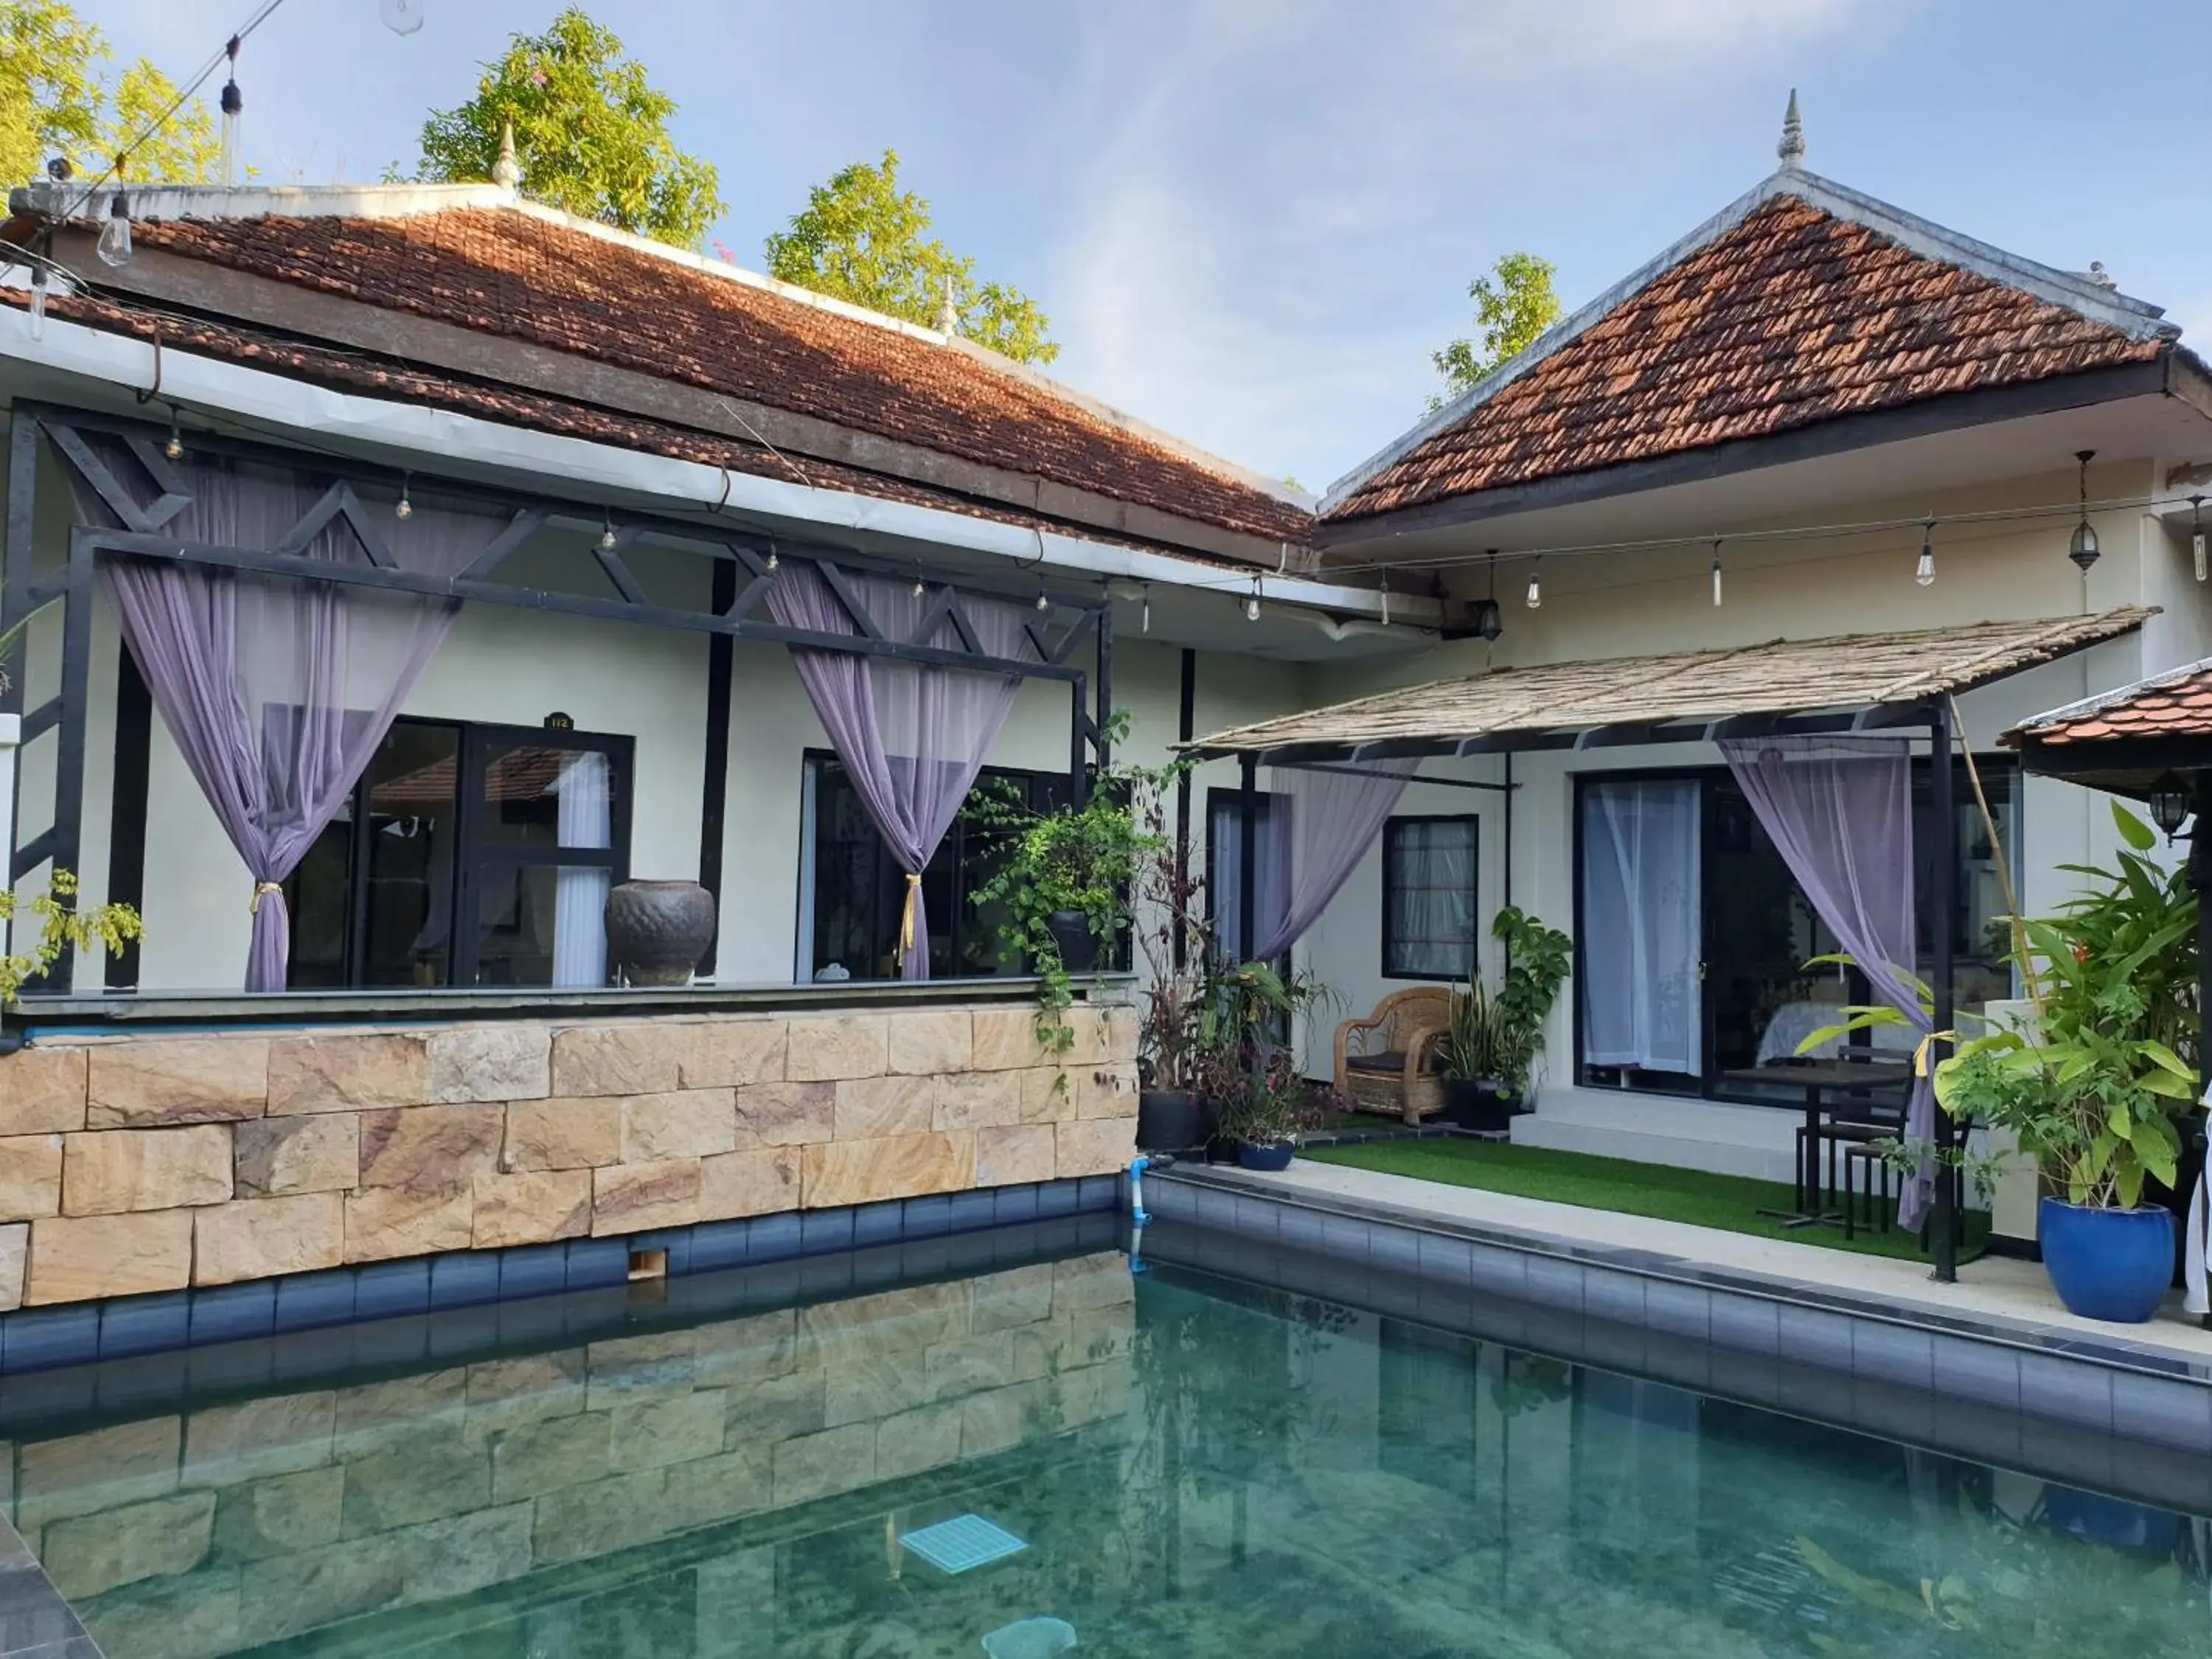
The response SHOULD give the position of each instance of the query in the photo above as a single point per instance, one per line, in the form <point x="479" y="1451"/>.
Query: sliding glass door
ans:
<point x="1693" y="941"/>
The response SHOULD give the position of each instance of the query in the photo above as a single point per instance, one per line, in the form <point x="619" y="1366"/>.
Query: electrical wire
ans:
<point x="231" y="42"/>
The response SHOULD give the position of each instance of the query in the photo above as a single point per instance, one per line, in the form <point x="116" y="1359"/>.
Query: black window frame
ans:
<point x="1391" y="827"/>
<point x="474" y="740"/>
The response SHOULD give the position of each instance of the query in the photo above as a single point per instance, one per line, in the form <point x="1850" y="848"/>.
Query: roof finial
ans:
<point x="507" y="172"/>
<point x="948" y="314"/>
<point x="1791" y="149"/>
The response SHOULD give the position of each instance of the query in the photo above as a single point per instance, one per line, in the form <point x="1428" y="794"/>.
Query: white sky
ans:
<point x="1250" y="221"/>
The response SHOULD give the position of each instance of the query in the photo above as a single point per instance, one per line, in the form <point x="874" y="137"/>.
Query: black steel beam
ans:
<point x="714" y="782"/>
<point x="1247" y="857"/>
<point x="1942" y="888"/>
<point x="1186" y="714"/>
<point x="127" y="808"/>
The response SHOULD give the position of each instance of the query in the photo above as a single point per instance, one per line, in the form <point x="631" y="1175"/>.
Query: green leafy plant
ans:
<point x="1499" y="1035"/>
<point x="60" y="927"/>
<point x="1268" y="1104"/>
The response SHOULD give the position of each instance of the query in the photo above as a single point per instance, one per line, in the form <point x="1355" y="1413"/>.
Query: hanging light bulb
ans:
<point x="607" y="535"/>
<point x="1043" y="603"/>
<point x="2083" y="547"/>
<point x="1252" y="602"/>
<point x="1716" y="573"/>
<point x="1536" y="586"/>
<point x="406" y="508"/>
<point x="919" y="587"/>
<point x="34" y="320"/>
<point x="401" y="17"/>
<point x="232" y="102"/>
<point x="174" y="449"/>
<point x="772" y="559"/>
<point x="1924" y="572"/>
<point x="1386" y="598"/>
<point x="1145" y="617"/>
<point x="114" y="244"/>
<point x="2196" y="533"/>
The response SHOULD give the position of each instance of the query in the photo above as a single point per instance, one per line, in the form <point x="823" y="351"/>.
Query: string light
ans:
<point x="1145" y="617"/>
<point x="1924" y="572"/>
<point x="406" y="508"/>
<point x="2196" y="533"/>
<point x="1386" y="599"/>
<point x="1252" y="602"/>
<point x="772" y="559"/>
<point x="34" y="320"/>
<point x="174" y="449"/>
<point x="401" y="17"/>
<point x="1043" y="600"/>
<point x="1716" y="573"/>
<point x="114" y="246"/>
<point x="233" y="102"/>
<point x="920" y="587"/>
<point x="1536" y="586"/>
<point x="607" y="535"/>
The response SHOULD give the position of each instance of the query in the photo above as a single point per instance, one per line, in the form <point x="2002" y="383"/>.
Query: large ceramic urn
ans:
<point x="657" y="931"/>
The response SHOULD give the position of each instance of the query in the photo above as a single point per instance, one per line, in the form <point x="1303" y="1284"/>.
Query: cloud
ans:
<point x="1277" y="224"/>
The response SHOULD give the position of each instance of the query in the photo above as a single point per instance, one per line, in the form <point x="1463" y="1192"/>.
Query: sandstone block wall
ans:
<point x="147" y="1164"/>
<point x="225" y="1528"/>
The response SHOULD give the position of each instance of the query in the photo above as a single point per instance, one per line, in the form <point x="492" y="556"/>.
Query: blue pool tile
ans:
<point x="594" y="1263"/>
<point x="296" y="1356"/>
<point x="230" y="1365"/>
<point x="41" y="1337"/>
<point x="465" y="1279"/>
<point x="716" y="1245"/>
<point x="925" y="1258"/>
<point x="927" y="1218"/>
<point x="533" y="1319"/>
<point x="771" y="1285"/>
<point x="878" y="1224"/>
<point x="1062" y="1233"/>
<point x="877" y="1266"/>
<point x="148" y="1380"/>
<point x="533" y="1270"/>
<point x="821" y="1231"/>
<point x="1058" y="1197"/>
<point x="386" y="1289"/>
<point x="970" y="1211"/>
<point x="232" y="1312"/>
<point x="1100" y="1192"/>
<point x="455" y="1331"/>
<point x="775" y="1237"/>
<point x="825" y="1275"/>
<point x="305" y="1301"/>
<point x="1013" y="1204"/>
<point x="968" y="1253"/>
<point x="145" y="1324"/>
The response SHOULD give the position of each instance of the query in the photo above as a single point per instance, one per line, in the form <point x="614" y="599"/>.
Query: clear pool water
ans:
<point x="1187" y="1469"/>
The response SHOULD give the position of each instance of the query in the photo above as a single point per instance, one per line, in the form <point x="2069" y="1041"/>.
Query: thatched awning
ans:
<point x="1849" y="682"/>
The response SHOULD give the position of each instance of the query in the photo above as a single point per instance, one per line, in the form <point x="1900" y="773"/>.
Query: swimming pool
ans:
<point x="1178" y="1463"/>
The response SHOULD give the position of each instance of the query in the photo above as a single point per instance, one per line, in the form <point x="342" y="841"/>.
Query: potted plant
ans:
<point x="1243" y="1072"/>
<point x="1488" y="1056"/>
<point x="1175" y="937"/>
<point x="1266" y="1113"/>
<point x="2094" y="1085"/>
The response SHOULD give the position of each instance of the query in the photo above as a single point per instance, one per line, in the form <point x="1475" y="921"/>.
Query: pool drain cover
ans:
<point x="965" y="1541"/>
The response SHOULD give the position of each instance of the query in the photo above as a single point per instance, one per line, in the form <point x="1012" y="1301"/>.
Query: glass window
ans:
<point x="1428" y="927"/>
<point x="853" y="892"/>
<point x="1225" y="865"/>
<point x="526" y="831"/>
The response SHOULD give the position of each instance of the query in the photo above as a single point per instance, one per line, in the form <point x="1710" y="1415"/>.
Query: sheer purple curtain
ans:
<point x="1335" y="819"/>
<point x="1839" y="811"/>
<point x="278" y="692"/>
<point x="912" y="736"/>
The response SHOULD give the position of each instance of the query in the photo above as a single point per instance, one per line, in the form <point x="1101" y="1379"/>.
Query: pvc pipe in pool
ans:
<point x="1137" y="1191"/>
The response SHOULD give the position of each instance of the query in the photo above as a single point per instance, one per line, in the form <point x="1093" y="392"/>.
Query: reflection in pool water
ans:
<point x="1190" y="1469"/>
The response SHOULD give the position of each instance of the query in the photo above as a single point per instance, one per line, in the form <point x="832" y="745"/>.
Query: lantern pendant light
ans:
<point x="2083" y="549"/>
<point x="1924" y="572"/>
<point x="1489" y="622"/>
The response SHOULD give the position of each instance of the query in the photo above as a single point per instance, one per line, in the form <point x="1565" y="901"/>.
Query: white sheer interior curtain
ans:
<point x="1271" y="897"/>
<point x="579" y="892"/>
<point x="1642" y="907"/>
<point x="1432" y="905"/>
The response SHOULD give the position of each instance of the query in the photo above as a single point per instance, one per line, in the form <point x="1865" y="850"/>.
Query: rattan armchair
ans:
<point x="1387" y="1062"/>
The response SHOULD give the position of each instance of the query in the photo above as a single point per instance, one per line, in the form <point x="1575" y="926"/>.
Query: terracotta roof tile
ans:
<point x="529" y="278"/>
<point x="1793" y="316"/>
<point x="387" y="377"/>
<point x="2166" y="708"/>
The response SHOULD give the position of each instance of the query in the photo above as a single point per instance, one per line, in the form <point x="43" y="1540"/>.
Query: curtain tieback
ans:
<point x="906" y="916"/>
<point x="1927" y="1044"/>
<point x="261" y="890"/>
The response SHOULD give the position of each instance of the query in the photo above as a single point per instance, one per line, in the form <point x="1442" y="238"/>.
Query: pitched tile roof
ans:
<point x="2177" y="703"/>
<point x="379" y="375"/>
<point x="527" y="275"/>
<point x="1797" y="313"/>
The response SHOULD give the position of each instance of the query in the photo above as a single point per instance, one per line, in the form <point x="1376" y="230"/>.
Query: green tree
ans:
<point x="590" y="131"/>
<point x="50" y="91"/>
<point x="183" y="150"/>
<point x="864" y="239"/>
<point x="1511" y="311"/>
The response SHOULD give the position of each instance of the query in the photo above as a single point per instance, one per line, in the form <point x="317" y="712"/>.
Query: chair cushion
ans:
<point x="1392" y="1060"/>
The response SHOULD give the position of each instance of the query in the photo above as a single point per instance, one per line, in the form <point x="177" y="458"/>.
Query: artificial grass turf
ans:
<point x="1699" y="1197"/>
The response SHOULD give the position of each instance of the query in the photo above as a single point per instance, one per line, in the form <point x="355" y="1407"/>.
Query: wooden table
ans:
<point x="1820" y="1079"/>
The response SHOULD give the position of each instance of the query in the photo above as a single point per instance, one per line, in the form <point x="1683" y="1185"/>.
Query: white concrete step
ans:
<point x="1758" y="1141"/>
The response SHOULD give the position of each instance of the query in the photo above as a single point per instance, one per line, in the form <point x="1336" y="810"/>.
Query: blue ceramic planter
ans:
<point x="1276" y="1157"/>
<point x="2113" y="1264"/>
